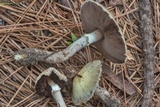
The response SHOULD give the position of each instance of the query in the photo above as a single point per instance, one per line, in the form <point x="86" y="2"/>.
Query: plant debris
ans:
<point x="24" y="27"/>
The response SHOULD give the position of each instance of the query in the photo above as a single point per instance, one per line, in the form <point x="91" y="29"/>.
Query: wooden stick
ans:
<point x="147" y="36"/>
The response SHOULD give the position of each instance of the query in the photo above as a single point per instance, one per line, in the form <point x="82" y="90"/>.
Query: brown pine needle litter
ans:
<point x="47" y="24"/>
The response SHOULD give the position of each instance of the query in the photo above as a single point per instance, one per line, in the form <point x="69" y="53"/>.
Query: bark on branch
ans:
<point x="148" y="50"/>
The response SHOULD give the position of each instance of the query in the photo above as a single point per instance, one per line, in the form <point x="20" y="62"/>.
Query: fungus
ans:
<point x="101" y="29"/>
<point x="86" y="83"/>
<point x="49" y="83"/>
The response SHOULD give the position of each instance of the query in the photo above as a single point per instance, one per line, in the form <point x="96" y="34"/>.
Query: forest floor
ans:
<point x="47" y="25"/>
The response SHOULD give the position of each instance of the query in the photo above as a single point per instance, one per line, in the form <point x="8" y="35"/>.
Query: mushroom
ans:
<point x="86" y="83"/>
<point x="49" y="83"/>
<point x="101" y="29"/>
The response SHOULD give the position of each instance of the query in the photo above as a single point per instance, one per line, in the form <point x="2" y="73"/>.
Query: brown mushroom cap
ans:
<point x="43" y="88"/>
<point x="95" y="16"/>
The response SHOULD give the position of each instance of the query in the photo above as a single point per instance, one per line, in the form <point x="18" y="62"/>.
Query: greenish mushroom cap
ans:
<point x="86" y="82"/>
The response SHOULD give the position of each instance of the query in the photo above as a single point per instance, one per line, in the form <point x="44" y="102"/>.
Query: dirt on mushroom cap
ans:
<point x="43" y="88"/>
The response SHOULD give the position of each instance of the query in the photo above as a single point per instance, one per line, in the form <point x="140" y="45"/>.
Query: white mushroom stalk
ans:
<point x="84" y="41"/>
<point x="32" y="55"/>
<point x="56" y="93"/>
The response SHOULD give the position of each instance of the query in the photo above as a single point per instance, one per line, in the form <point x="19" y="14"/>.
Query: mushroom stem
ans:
<point x="33" y="55"/>
<point x="110" y="101"/>
<point x="84" y="41"/>
<point x="56" y="93"/>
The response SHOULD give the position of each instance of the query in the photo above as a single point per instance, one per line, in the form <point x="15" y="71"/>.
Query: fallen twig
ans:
<point x="147" y="36"/>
